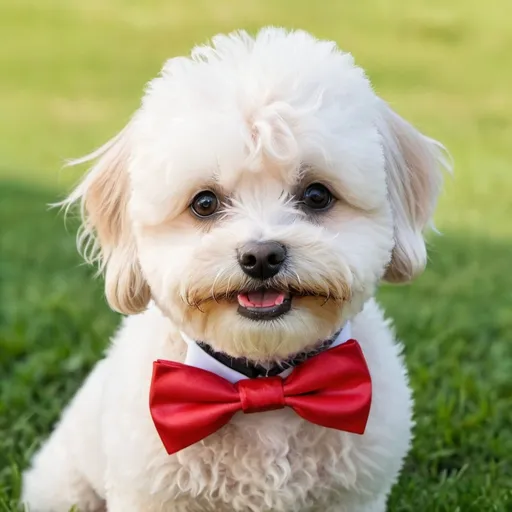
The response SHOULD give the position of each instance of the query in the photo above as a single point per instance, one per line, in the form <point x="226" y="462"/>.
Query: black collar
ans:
<point x="253" y="370"/>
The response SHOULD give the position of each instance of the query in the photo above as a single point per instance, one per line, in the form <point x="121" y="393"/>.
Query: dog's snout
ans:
<point x="262" y="260"/>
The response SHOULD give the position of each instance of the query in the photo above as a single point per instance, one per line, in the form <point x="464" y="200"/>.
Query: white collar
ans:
<point x="197" y="357"/>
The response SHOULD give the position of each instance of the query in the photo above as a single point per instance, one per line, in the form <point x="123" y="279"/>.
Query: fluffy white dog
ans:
<point x="253" y="203"/>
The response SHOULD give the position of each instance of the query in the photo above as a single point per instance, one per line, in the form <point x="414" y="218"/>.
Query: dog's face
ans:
<point x="264" y="263"/>
<point x="259" y="195"/>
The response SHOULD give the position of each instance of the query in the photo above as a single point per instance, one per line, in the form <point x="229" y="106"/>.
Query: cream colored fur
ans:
<point x="256" y="120"/>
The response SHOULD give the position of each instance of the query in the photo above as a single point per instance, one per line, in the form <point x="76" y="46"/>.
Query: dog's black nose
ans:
<point x="262" y="260"/>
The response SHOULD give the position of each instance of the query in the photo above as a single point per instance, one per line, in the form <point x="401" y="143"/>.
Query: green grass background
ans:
<point x="72" y="72"/>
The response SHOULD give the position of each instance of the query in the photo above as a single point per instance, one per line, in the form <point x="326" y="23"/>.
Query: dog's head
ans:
<point x="259" y="195"/>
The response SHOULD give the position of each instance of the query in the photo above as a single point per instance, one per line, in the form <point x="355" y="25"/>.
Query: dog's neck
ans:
<point x="202" y="355"/>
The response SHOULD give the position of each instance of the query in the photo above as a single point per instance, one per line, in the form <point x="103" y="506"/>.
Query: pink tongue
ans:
<point x="265" y="298"/>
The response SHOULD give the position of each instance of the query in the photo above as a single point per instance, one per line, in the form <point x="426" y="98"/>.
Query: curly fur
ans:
<point x="255" y="120"/>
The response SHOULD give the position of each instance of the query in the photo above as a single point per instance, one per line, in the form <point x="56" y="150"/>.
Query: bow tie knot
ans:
<point x="262" y="394"/>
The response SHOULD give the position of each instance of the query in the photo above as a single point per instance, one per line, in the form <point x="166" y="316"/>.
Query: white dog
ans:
<point x="253" y="203"/>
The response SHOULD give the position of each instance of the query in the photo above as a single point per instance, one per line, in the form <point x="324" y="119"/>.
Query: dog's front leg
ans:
<point x="124" y="500"/>
<point x="378" y="504"/>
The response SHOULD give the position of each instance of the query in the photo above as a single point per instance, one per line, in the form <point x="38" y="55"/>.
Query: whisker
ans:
<point x="299" y="282"/>
<point x="228" y="287"/>
<point x="197" y="305"/>
<point x="213" y="292"/>
<point x="328" y="292"/>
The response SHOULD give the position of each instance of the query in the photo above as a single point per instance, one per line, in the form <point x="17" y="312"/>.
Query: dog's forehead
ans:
<point x="260" y="107"/>
<point x="246" y="97"/>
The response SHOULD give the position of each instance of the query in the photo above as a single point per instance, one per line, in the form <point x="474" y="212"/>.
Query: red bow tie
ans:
<point x="332" y="389"/>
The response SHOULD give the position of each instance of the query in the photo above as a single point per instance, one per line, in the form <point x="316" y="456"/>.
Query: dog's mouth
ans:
<point x="268" y="301"/>
<point x="264" y="303"/>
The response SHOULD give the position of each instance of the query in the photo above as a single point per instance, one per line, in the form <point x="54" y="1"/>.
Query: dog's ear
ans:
<point x="414" y="165"/>
<point x="106" y="236"/>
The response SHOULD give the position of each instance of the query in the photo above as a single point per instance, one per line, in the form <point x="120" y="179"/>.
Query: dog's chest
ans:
<point x="267" y="461"/>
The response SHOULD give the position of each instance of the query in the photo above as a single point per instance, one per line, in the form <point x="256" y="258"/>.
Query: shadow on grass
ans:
<point x="456" y="323"/>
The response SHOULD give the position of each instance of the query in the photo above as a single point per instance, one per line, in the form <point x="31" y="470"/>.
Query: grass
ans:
<point x="72" y="73"/>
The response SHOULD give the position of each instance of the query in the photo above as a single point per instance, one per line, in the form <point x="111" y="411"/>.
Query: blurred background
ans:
<point x="71" y="74"/>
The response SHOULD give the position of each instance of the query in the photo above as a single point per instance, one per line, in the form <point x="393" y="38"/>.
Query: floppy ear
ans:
<point x="414" y="165"/>
<point x="106" y="236"/>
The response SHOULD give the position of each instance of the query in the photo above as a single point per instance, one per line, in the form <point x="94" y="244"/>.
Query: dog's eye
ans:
<point x="317" y="197"/>
<point x="205" y="204"/>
